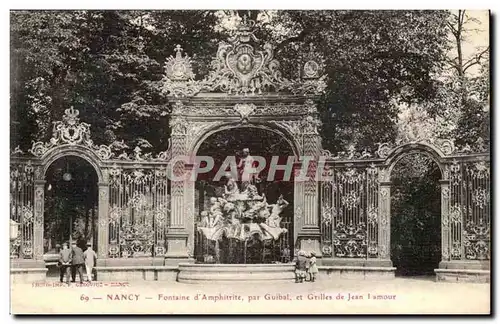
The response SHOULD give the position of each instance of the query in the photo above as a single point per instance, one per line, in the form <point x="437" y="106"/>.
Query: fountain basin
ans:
<point x="235" y="273"/>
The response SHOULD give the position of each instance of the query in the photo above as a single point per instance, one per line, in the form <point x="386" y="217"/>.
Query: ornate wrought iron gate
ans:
<point x="355" y="202"/>
<point x="139" y="212"/>
<point x="22" y="218"/>
<point x="349" y="212"/>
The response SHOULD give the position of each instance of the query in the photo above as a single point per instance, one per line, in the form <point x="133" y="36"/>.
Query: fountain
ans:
<point x="242" y="222"/>
<point x="241" y="217"/>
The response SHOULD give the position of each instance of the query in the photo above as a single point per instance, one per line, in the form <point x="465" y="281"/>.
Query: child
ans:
<point x="300" y="267"/>
<point x="313" y="268"/>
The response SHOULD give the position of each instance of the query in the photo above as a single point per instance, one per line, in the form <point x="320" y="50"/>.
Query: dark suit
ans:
<point x="65" y="264"/>
<point x="77" y="262"/>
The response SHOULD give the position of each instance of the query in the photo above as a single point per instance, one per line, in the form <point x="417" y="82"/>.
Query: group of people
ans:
<point x="73" y="260"/>
<point x="305" y="267"/>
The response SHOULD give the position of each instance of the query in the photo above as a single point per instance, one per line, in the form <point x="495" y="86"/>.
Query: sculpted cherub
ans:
<point x="204" y="219"/>
<point x="231" y="187"/>
<point x="230" y="210"/>
<point x="215" y="215"/>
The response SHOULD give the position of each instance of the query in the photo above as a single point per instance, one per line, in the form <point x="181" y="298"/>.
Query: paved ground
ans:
<point x="402" y="296"/>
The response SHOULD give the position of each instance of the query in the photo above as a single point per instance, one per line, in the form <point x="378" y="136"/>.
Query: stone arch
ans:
<point x="72" y="150"/>
<point x="414" y="148"/>
<point x="197" y="142"/>
<point x="276" y="129"/>
<point x="391" y="160"/>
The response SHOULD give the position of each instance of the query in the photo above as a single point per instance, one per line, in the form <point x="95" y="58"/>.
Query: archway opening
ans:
<point x="254" y="222"/>
<point x="416" y="216"/>
<point x="70" y="207"/>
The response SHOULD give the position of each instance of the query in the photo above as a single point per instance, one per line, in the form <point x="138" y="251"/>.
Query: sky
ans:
<point x="478" y="38"/>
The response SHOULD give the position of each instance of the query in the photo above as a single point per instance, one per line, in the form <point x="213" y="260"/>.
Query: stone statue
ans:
<point x="251" y="193"/>
<point x="247" y="169"/>
<point x="257" y="207"/>
<point x="274" y="219"/>
<point x="215" y="215"/>
<point x="230" y="210"/>
<point x="242" y="216"/>
<point x="204" y="219"/>
<point x="235" y="230"/>
<point x="231" y="190"/>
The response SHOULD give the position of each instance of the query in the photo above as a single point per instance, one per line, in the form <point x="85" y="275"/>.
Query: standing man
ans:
<point x="77" y="260"/>
<point x="90" y="261"/>
<point x="65" y="262"/>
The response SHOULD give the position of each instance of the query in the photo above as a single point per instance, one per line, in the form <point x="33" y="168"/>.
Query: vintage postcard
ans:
<point x="250" y="162"/>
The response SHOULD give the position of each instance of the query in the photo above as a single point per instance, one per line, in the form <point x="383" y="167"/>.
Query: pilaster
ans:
<point x="182" y="197"/>
<point x="309" y="234"/>
<point x="38" y="220"/>
<point x="103" y="221"/>
<point x="384" y="224"/>
<point x="445" y="220"/>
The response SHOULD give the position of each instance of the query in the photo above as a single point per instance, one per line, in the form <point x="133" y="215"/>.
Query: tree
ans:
<point x="458" y="26"/>
<point x="109" y="65"/>
<point x="374" y="60"/>
<point x="42" y="46"/>
<point x="469" y="89"/>
<point x="459" y="109"/>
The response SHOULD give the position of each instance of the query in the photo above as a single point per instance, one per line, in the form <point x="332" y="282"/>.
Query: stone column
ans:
<point x="310" y="232"/>
<point x="177" y="235"/>
<point x="384" y="224"/>
<point x="298" y="202"/>
<point x="103" y="229"/>
<point x="189" y="209"/>
<point x="38" y="221"/>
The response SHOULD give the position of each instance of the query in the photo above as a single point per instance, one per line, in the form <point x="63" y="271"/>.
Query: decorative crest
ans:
<point x="313" y="64"/>
<point x="16" y="151"/>
<point x="179" y="68"/>
<point x="241" y="68"/>
<point x="73" y="132"/>
<point x="179" y="76"/>
<point x="71" y="116"/>
<point x="244" y="110"/>
<point x="244" y="32"/>
<point x="443" y="146"/>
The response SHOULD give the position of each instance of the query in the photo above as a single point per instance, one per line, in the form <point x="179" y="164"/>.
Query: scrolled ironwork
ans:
<point x="139" y="212"/>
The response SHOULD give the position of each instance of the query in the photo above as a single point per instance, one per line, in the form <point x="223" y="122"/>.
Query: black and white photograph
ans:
<point x="250" y="162"/>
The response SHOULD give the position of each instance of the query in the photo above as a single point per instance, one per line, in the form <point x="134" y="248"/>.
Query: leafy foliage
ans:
<point x="459" y="109"/>
<point x="372" y="57"/>
<point x="108" y="64"/>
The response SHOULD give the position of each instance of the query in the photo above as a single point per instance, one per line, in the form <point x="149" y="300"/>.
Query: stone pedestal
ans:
<point x="356" y="272"/>
<point x="309" y="241"/>
<point x="126" y="262"/>
<point x="235" y="273"/>
<point x="27" y="275"/>
<point x="177" y="247"/>
<point x="463" y="271"/>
